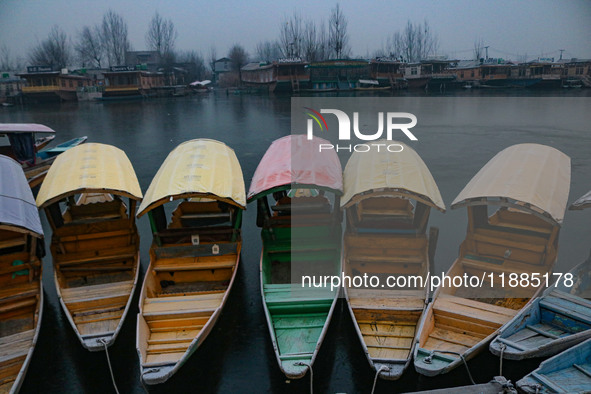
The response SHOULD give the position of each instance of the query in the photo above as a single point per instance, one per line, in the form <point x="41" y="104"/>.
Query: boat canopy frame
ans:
<point x="536" y="181"/>
<point x="84" y="176"/>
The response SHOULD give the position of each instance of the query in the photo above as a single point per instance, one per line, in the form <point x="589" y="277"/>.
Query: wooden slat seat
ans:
<point x="491" y="265"/>
<point x="87" y="236"/>
<point x="105" y="255"/>
<point x="16" y="345"/>
<point x="170" y="307"/>
<point x="12" y="242"/>
<point x="8" y="269"/>
<point x="393" y="259"/>
<point x="95" y="292"/>
<point x="473" y="311"/>
<point x="14" y="292"/>
<point x="12" y="306"/>
<point x="195" y="263"/>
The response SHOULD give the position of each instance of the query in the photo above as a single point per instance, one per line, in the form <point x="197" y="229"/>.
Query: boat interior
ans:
<point x="301" y="237"/>
<point x="567" y="372"/>
<point x="507" y="242"/>
<point x="95" y="246"/>
<point x="386" y="236"/>
<point x="20" y="301"/>
<point x="193" y="261"/>
<point x="562" y="312"/>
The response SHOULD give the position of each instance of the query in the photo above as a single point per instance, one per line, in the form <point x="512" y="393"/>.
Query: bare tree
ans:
<point x="310" y="42"/>
<point x="414" y="43"/>
<point x="114" y="37"/>
<point x="161" y="37"/>
<point x="89" y="47"/>
<point x="268" y="51"/>
<point x="238" y="57"/>
<point x="213" y="56"/>
<point x="323" y="47"/>
<point x="478" y="47"/>
<point x="291" y="36"/>
<point x="53" y="51"/>
<point x="196" y="69"/>
<point x="6" y="62"/>
<point x="338" y="38"/>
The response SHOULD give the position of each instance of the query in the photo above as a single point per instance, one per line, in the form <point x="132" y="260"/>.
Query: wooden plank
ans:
<point x="97" y="259"/>
<point x="195" y="263"/>
<point x="455" y="337"/>
<point x="11" y="243"/>
<point x="105" y="234"/>
<point x="470" y="315"/>
<point x="112" y="289"/>
<point x="17" y="305"/>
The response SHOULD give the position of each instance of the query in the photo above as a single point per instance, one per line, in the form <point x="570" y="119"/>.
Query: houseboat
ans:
<point x="127" y="82"/>
<point x="387" y="72"/>
<point x="45" y="84"/>
<point x="292" y="74"/>
<point x="337" y="75"/>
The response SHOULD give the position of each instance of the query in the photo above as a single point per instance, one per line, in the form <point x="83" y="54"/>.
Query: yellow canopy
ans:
<point x="89" y="167"/>
<point x="536" y="177"/>
<point x="197" y="168"/>
<point x="379" y="172"/>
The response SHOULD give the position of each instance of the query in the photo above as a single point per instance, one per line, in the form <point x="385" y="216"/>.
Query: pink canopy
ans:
<point x="24" y="128"/>
<point x="296" y="160"/>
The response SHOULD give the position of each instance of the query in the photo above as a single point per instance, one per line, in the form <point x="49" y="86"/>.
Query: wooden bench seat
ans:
<point x="16" y="345"/>
<point x="23" y="290"/>
<point x="163" y="307"/>
<point x="12" y="242"/>
<point x="105" y="255"/>
<point x="195" y="263"/>
<point x="481" y="313"/>
<point x="94" y="292"/>
<point x="491" y="265"/>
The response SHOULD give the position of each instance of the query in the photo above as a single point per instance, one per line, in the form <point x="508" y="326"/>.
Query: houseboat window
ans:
<point x="462" y="74"/>
<point x="63" y="83"/>
<point x="472" y="74"/>
<point x="71" y="83"/>
<point x="413" y="71"/>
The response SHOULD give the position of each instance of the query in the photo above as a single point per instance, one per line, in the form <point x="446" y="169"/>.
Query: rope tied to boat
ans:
<point x="502" y="347"/>
<point x="429" y="359"/>
<point x="375" y="379"/>
<point x="104" y="342"/>
<point x="303" y="364"/>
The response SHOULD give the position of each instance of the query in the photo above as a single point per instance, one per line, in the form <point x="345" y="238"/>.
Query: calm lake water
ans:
<point x="457" y="135"/>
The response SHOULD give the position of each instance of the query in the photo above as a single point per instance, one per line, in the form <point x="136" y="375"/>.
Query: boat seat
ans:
<point x="15" y="346"/>
<point x="195" y="263"/>
<point x="160" y="308"/>
<point x="14" y="292"/>
<point x="13" y="242"/>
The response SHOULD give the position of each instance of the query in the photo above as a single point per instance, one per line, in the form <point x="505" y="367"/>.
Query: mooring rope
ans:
<point x="502" y="347"/>
<point x="104" y="342"/>
<point x="461" y="356"/>
<point x="303" y="364"/>
<point x="375" y="379"/>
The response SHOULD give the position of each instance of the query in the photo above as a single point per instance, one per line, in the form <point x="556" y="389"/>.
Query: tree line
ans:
<point x="106" y="43"/>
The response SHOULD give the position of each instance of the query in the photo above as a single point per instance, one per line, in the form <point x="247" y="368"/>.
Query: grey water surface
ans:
<point x="458" y="134"/>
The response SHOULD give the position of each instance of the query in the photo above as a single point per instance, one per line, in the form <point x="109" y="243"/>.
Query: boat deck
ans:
<point x="174" y="322"/>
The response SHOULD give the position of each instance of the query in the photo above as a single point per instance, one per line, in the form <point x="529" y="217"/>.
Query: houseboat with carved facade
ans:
<point x="283" y="75"/>
<point x="45" y="84"/>
<point x="337" y="75"/>
<point x="128" y="82"/>
<point x="387" y="72"/>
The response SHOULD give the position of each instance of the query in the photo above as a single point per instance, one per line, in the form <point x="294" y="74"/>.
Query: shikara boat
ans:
<point x="95" y="243"/>
<point x="21" y="292"/>
<point x="301" y="235"/>
<point x="26" y="141"/>
<point x="550" y="324"/>
<point x="566" y="372"/>
<point x="193" y="258"/>
<point x="516" y="205"/>
<point x="388" y="198"/>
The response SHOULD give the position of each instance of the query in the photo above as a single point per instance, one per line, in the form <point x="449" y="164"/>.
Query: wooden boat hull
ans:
<point x="566" y="372"/>
<point x="390" y="368"/>
<point x="16" y="385"/>
<point x="159" y="371"/>
<point x="296" y="366"/>
<point x="96" y="342"/>
<point x="18" y="348"/>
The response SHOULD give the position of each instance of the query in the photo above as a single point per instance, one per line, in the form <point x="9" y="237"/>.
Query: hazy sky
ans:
<point x="511" y="28"/>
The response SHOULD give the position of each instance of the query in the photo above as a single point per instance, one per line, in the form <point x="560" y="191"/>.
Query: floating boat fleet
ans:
<point x="195" y="204"/>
